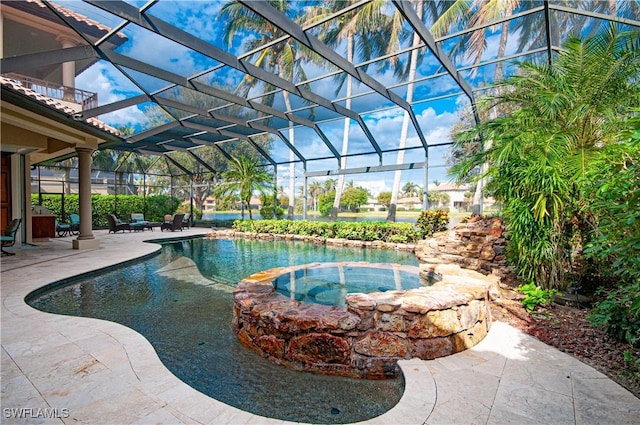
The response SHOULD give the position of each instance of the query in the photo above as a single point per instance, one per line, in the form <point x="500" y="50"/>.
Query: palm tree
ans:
<point x="244" y="177"/>
<point x="330" y="185"/>
<point x="315" y="189"/>
<point x="541" y="151"/>
<point x="283" y="58"/>
<point x="411" y="189"/>
<point x="413" y="63"/>
<point x="354" y="27"/>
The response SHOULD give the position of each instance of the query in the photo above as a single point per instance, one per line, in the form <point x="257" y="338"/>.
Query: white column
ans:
<point x="86" y="239"/>
<point x="68" y="69"/>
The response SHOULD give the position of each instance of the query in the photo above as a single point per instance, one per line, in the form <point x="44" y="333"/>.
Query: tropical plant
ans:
<point x="432" y="221"/>
<point x="244" y="177"/>
<point x="411" y="189"/>
<point x="543" y="149"/>
<point x="535" y="296"/>
<point x="612" y="184"/>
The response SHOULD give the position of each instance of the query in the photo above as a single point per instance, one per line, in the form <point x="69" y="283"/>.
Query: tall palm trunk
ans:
<point x="493" y="114"/>
<point x="292" y="176"/>
<point x="413" y="64"/>
<point x="345" y="135"/>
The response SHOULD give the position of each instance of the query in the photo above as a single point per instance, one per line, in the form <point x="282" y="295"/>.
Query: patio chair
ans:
<point x="115" y="224"/>
<point x="186" y="221"/>
<point x="139" y="223"/>
<point x="8" y="237"/>
<point x="62" y="229"/>
<point x="175" y="224"/>
<point x="75" y="224"/>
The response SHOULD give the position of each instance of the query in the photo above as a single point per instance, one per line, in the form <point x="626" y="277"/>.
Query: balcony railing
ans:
<point x="84" y="98"/>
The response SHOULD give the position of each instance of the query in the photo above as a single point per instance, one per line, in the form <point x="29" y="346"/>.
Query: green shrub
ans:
<point x="612" y="185"/>
<point x="325" y="203"/>
<point x="432" y="221"/>
<point x="535" y="296"/>
<point x="266" y="212"/>
<point x="365" y="231"/>
<point x="619" y="313"/>
<point x="154" y="207"/>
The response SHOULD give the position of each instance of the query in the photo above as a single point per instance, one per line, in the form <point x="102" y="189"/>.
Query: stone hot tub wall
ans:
<point x="367" y="337"/>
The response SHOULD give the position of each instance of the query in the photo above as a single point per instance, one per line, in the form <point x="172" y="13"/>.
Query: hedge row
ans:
<point x="364" y="231"/>
<point x="153" y="207"/>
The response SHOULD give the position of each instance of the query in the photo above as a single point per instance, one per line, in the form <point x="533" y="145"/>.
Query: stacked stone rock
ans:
<point x="374" y="331"/>
<point x="477" y="244"/>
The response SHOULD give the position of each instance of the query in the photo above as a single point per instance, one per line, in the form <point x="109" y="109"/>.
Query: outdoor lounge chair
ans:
<point x="186" y="221"/>
<point x="139" y="223"/>
<point x="8" y="238"/>
<point x="116" y="225"/>
<point x="62" y="229"/>
<point x="75" y="224"/>
<point x="175" y="224"/>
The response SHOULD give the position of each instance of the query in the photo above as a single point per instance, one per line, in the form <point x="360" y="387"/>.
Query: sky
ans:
<point x="199" y="18"/>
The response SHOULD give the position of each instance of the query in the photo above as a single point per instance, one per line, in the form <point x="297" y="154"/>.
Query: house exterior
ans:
<point x="457" y="194"/>
<point x="37" y="104"/>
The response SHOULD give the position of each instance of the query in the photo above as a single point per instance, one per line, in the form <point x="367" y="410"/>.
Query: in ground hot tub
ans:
<point x="366" y="334"/>
<point x="329" y="283"/>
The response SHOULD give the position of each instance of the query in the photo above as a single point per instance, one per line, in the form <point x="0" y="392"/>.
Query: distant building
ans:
<point x="458" y="199"/>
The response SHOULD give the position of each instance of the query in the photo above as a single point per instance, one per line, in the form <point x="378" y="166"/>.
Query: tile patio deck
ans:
<point x="98" y="372"/>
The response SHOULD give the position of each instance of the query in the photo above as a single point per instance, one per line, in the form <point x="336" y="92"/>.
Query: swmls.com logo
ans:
<point x="30" y="412"/>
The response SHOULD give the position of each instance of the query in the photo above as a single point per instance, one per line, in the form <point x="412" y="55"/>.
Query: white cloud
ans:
<point x="111" y="86"/>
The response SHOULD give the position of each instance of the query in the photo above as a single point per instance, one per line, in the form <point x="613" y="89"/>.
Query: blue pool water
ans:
<point x="329" y="284"/>
<point x="181" y="301"/>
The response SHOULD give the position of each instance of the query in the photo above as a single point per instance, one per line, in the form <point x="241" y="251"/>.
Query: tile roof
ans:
<point x="55" y="104"/>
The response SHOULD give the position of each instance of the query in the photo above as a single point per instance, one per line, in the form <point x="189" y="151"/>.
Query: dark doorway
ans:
<point x="5" y="189"/>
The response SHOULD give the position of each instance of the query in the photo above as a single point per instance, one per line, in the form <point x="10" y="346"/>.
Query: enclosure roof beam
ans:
<point x="281" y="21"/>
<point x="269" y="13"/>
<point x="152" y="132"/>
<point x="618" y="19"/>
<point x="29" y="61"/>
<point x="121" y="162"/>
<point x="114" y="106"/>
<point x="223" y="152"/>
<point x="233" y="120"/>
<point x="418" y="26"/>
<point x="202" y="161"/>
<point x="177" y="164"/>
<point x="231" y="135"/>
<point x="170" y="32"/>
<point x="363" y="170"/>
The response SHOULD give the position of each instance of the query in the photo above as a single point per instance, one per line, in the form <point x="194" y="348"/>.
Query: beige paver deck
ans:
<point x="98" y="372"/>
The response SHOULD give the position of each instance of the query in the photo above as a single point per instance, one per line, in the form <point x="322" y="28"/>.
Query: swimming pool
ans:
<point x="181" y="301"/>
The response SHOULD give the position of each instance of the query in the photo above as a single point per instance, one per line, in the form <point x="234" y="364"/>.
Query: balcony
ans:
<point x="73" y="97"/>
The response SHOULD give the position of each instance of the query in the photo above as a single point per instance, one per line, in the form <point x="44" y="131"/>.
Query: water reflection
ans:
<point x="181" y="301"/>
